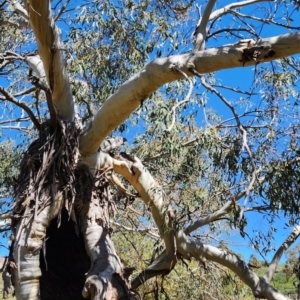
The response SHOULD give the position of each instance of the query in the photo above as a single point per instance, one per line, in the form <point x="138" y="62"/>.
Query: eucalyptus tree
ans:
<point x="65" y="87"/>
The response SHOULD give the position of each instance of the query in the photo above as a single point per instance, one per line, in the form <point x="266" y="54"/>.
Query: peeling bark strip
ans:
<point x="94" y="200"/>
<point x="128" y="97"/>
<point x="47" y="166"/>
<point x="45" y="181"/>
<point x="41" y="191"/>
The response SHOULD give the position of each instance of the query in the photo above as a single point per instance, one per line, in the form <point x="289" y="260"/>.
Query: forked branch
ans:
<point x="178" y="243"/>
<point x="277" y="256"/>
<point x="200" y="33"/>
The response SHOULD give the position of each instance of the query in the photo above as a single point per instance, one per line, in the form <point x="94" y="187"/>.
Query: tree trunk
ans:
<point x="67" y="262"/>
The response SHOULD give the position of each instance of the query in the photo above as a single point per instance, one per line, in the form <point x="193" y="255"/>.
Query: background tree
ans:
<point x="182" y="182"/>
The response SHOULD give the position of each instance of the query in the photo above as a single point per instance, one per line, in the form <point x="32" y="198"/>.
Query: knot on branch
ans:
<point x="112" y="143"/>
<point x="257" y="53"/>
<point x="33" y="79"/>
<point x="109" y="286"/>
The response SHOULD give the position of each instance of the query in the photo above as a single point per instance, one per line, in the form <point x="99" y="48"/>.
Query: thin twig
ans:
<point x="61" y="11"/>
<point x="186" y="99"/>
<point x="15" y="120"/>
<point x="234" y="89"/>
<point x="139" y="230"/>
<point x="53" y="114"/>
<point x="242" y="16"/>
<point x="9" y="97"/>
<point x="25" y="92"/>
<point x="242" y="130"/>
<point x="230" y="30"/>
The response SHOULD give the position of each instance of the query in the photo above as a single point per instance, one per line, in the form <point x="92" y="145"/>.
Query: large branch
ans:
<point x="260" y="288"/>
<point x="130" y="95"/>
<point x="50" y="50"/>
<point x="151" y="193"/>
<point x="175" y="239"/>
<point x="277" y="256"/>
<point x="153" y="196"/>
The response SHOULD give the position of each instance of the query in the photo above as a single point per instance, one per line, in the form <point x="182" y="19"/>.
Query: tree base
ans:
<point x="67" y="262"/>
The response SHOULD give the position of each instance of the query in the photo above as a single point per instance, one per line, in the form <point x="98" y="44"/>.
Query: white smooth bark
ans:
<point x="129" y="96"/>
<point x="49" y="46"/>
<point x="104" y="261"/>
<point x="18" y="8"/>
<point x="277" y="256"/>
<point x="260" y="288"/>
<point x="201" y="31"/>
<point x="177" y="240"/>
<point x="35" y="63"/>
<point x="30" y="235"/>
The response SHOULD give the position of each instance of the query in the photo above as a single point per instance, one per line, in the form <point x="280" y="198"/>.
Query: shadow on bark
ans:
<point x="67" y="262"/>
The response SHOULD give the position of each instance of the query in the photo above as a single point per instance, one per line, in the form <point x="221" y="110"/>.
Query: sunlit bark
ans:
<point x="50" y="50"/>
<point x="259" y="286"/>
<point x="185" y="246"/>
<point x="104" y="279"/>
<point x="105" y="264"/>
<point x="130" y="95"/>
